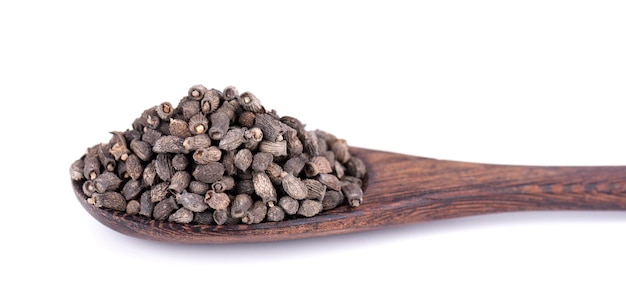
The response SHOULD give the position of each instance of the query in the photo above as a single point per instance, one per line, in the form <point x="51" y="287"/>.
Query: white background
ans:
<point x="511" y="82"/>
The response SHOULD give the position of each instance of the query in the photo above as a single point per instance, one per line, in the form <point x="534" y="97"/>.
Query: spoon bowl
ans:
<point x="403" y="189"/>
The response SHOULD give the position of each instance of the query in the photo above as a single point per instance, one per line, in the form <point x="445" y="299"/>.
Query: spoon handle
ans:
<point x="418" y="189"/>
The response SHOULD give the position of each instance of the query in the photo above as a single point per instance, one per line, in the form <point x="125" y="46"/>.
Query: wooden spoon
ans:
<point x="403" y="189"/>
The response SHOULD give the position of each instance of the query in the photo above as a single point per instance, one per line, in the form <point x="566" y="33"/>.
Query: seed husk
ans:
<point x="240" y="205"/>
<point x="204" y="156"/>
<point x="216" y="200"/>
<point x="255" y="214"/>
<point x="112" y="200"/>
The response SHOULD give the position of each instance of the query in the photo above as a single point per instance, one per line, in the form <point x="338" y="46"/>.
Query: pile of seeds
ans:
<point x="219" y="158"/>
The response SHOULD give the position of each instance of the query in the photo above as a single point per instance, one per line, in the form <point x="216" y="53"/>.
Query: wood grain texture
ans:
<point x="403" y="189"/>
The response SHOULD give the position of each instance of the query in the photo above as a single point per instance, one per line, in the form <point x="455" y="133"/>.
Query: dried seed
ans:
<point x="255" y="214"/>
<point x="204" y="156"/>
<point x="353" y="193"/>
<point x="289" y="205"/>
<point x="274" y="172"/>
<point x="240" y="205"/>
<point x="210" y="102"/>
<point x="339" y="169"/>
<point x="198" y="124"/>
<point x="180" y="162"/>
<point x="275" y="214"/>
<point x="149" y="174"/>
<point x="196" y="142"/>
<point x="192" y="201"/>
<point x="197" y="91"/>
<point x="332" y="199"/>
<point x="112" y="200"/>
<point x="309" y="208"/>
<point x="329" y="138"/>
<point x="251" y="103"/>
<point x="294" y="145"/>
<point x="330" y="157"/>
<point x="228" y="160"/>
<point x="315" y="188"/>
<point x="130" y="135"/>
<point x="158" y="192"/>
<point x="165" y="111"/>
<point x="252" y="138"/>
<point x="340" y="148"/>
<point x="311" y="144"/>
<point x="189" y="108"/>
<point x="182" y="215"/>
<point x="321" y="145"/>
<point x="275" y="148"/>
<point x="356" y="167"/>
<point x="244" y="187"/>
<point x="219" y="124"/>
<point x="134" y="167"/>
<point x="118" y="150"/>
<point x="227" y="183"/>
<point x="261" y="160"/>
<point x="317" y="165"/>
<point x="107" y="181"/>
<point x="169" y="144"/>
<point x="146" y="204"/>
<point x="198" y="187"/>
<point x="133" y="207"/>
<point x="208" y="173"/>
<point x="351" y="179"/>
<point x="205" y="217"/>
<point x="272" y="129"/>
<point x="295" y="124"/>
<point x="151" y="136"/>
<point x="179" y="128"/>
<point x="163" y="209"/>
<point x="76" y="170"/>
<point x="106" y="159"/>
<point x="246" y="119"/>
<point x="295" y="164"/>
<point x="163" y="166"/>
<point x="180" y="181"/>
<point x="243" y="159"/>
<point x="230" y="93"/>
<point x="232" y="139"/>
<point x="142" y="149"/>
<point x="217" y="200"/>
<point x="92" y="167"/>
<point x="220" y="216"/>
<point x="263" y="187"/>
<point x="331" y="181"/>
<point x="294" y="187"/>
<point x="89" y="188"/>
<point x="132" y="189"/>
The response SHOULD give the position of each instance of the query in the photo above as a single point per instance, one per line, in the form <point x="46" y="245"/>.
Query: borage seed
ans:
<point x="204" y="156"/>
<point x="353" y="193"/>
<point x="198" y="124"/>
<point x="165" y="111"/>
<point x="107" y="181"/>
<point x="182" y="215"/>
<point x="192" y="201"/>
<point x="110" y="200"/>
<point x="163" y="209"/>
<point x="289" y="205"/>
<point x="210" y="101"/>
<point x="76" y="170"/>
<point x="180" y="181"/>
<point x="142" y="149"/>
<point x="240" y="205"/>
<point x="227" y="183"/>
<point x="309" y="208"/>
<point x="255" y="214"/>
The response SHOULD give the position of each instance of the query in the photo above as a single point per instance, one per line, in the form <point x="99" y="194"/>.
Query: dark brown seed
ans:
<point x="255" y="214"/>
<point x="76" y="170"/>
<point x="272" y="129"/>
<point x="316" y="189"/>
<point x="130" y="135"/>
<point x="163" y="166"/>
<point x="189" y="108"/>
<point x="353" y="193"/>
<point x="107" y="181"/>
<point x="217" y="200"/>
<point x="132" y="189"/>
<point x="332" y="199"/>
<point x="209" y="173"/>
<point x="118" y="150"/>
<point x="149" y="174"/>
<point x="205" y="217"/>
<point x="134" y="167"/>
<point x="244" y="187"/>
<point x="196" y="142"/>
<point x="240" y="205"/>
<point x="165" y="111"/>
<point x="198" y="124"/>
<point x="252" y="138"/>
<point x="243" y="159"/>
<point x="219" y="124"/>
<point x="180" y="162"/>
<point x="163" y="209"/>
<point x="309" y="208"/>
<point x="331" y="181"/>
<point x="199" y="187"/>
<point x="204" y="156"/>
<point x="151" y="136"/>
<point x="120" y="170"/>
<point x="356" y="167"/>
<point x="169" y="144"/>
<point x="246" y="119"/>
<point x="311" y="144"/>
<point x="230" y="93"/>
<point x="321" y="144"/>
<point x="110" y="200"/>
<point x="251" y="103"/>
<point x="88" y="188"/>
<point x="197" y="91"/>
<point x="180" y="181"/>
<point x="179" y="128"/>
<point x="133" y="207"/>
<point x="351" y="179"/>
<point x="263" y="187"/>
<point x="294" y="145"/>
<point x="92" y="167"/>
<point x="289" y="205"/>
<point x="182" y="215"/>
<point x="295" y="124"/>
<point x="329" y="138"/>
<point x="295" y="164"/>
<point x="275" y="214"/>
<point x="232" y="139"/>
<point x="106" y="158"/>
<point x="192" y="201"/>
<point x="227" y="183"/>
<point x="147" y="206"/>
<point x="340" y="148"/>
<point x="158" y="192"/>
<point x="339" y="169"/>
<point x="261" y="160"/>
<point x="228" y="160"/>
<point x="142" y="149"/>
<point x="220" y="216"/>
<point x="317" y="165"/>
<point x="294" y="187"/>
<point x="151" y="118"/>
<point x="210" y="102"/>
<point x="275" y="148"/>
<point x="330" y="157"/>
<point x="274" y="172"/>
